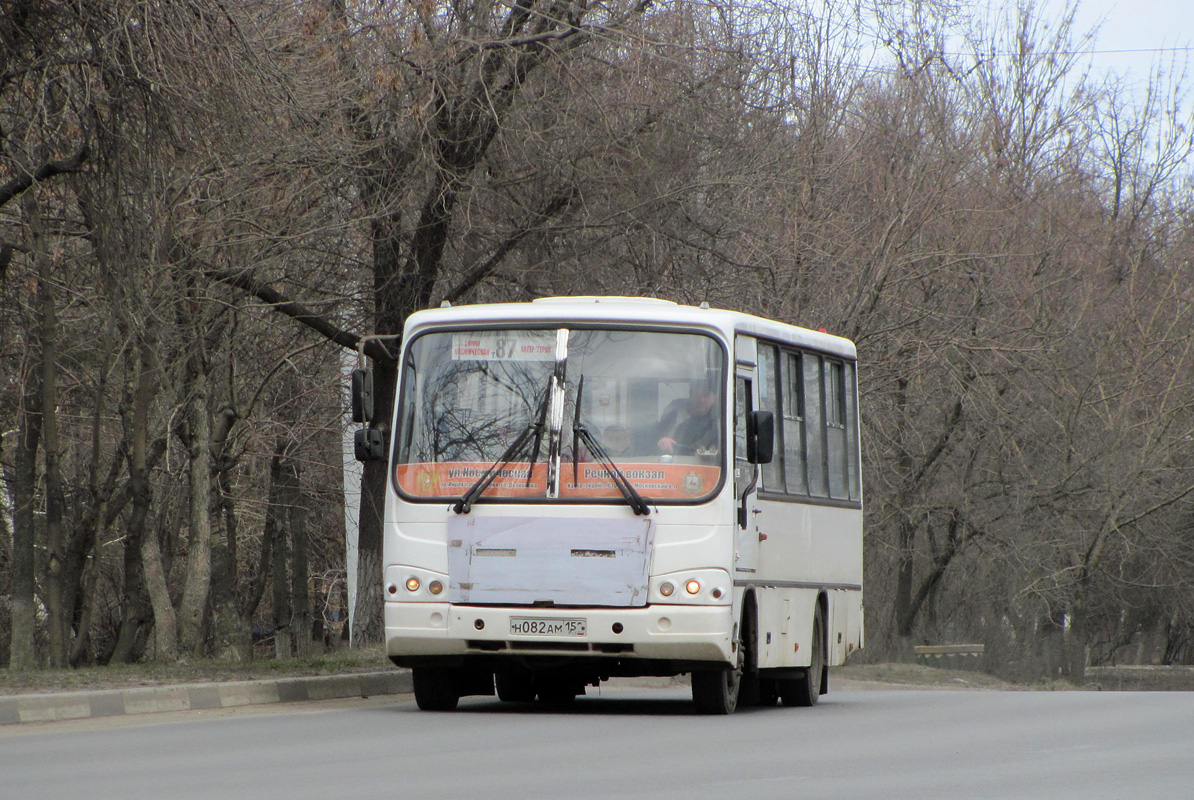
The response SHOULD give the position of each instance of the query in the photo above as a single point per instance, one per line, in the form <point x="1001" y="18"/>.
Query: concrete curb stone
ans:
<point x="57" y="706"/>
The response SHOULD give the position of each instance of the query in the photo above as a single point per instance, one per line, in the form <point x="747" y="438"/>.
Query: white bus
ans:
<point x="593" y="487"/>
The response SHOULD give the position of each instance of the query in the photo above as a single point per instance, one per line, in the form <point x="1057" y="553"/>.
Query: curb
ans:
<point x="58" y="706"/>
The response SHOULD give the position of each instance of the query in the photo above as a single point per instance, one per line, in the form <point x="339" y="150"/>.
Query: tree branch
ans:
<point x="298" y="312"/>
<point x="24" y="180"/>
<point x="480" y="271"/>
<point x="5" y="260"/>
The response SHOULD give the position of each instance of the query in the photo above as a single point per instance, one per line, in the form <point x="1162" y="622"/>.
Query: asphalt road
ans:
<point x="628" y="743"/>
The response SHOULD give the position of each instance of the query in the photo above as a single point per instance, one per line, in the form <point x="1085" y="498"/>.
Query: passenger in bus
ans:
<point x="689" y="427"/>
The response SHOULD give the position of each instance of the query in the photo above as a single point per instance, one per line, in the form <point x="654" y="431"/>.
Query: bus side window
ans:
<point x="769" y="400"/>
<point x="852" y="454"/>
<point x="743" y="472"/>
<point x="793" y="424"/>
<point x="835" y="428"/>
<point x="814" y="426"/>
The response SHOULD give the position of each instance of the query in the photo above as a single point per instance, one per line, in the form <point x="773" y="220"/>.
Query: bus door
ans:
<point x="746" y="483"/>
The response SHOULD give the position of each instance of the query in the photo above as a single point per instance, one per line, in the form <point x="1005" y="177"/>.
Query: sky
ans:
<point x="1135" y="33"/>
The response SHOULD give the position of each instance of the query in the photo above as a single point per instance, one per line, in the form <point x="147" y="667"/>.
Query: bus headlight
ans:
<point x="406" y="583"/>
<point x="700" y="587"/>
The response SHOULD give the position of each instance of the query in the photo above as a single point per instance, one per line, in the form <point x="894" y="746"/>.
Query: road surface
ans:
<point x="628" y="743"/>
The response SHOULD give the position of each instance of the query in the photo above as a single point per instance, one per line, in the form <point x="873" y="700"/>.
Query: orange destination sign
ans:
<point x="660" y="481"/>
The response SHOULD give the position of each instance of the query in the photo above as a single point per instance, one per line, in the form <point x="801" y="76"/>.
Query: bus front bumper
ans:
<point x="683" y="633"/>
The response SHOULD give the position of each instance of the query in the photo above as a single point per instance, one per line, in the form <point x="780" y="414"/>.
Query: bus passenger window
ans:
<point x="769" y="396"/>
<point x="835" y="428"/>
<point x="852" y="455"/>
<point x="793" y="436"/>
<point x="814" y="426"/>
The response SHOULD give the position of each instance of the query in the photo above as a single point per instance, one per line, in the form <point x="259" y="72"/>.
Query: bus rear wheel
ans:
<point x="806" y="690"/>
<point x="435" y="688"/>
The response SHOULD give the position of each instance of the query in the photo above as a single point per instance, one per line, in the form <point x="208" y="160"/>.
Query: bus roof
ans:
<point x="627" y="311"/>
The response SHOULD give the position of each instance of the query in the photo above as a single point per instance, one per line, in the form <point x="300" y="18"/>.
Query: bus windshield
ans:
<point x="652" y="401"/>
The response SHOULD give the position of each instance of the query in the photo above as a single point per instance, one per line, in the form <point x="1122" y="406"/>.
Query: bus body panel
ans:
<point x="811" y="544"/>
<point x="684" y="539"/>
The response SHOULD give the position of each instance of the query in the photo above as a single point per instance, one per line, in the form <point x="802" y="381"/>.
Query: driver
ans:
<point x="689" y="426"/>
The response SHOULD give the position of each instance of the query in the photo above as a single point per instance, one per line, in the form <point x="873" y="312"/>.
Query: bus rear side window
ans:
<point x="814" y="427"/>
<point x="835" y="428"/>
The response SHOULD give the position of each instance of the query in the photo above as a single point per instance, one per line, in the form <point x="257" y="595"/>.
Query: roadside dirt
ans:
<point x="913" y="676"/>
<point x="123" y="676"/>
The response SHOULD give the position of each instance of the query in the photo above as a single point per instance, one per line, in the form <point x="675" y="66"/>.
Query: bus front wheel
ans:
<point x="716" y="691"/>
<point x="515" y="686"/>
<point x="557" y="690"/>
<point x="435" y="688"/>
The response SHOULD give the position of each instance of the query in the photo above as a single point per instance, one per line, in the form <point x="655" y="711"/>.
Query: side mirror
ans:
<point x="362" y="395"/>
<point x="369" y="444"/>
<point x="760" y="437"/>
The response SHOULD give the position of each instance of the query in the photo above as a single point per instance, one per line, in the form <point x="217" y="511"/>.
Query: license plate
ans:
<point x="537" y="626"/>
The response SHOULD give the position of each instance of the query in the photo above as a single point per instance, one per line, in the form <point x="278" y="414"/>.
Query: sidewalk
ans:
<point x="55" y="706"/>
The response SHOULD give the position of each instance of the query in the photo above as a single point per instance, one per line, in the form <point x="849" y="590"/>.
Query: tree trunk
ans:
<point x="367" y="613"/>
<point x="82" y="642"/>
<point x="22" y="654"/>
<point x="165" y="627"/>
<point x="197" y="588"/>
<point x="299" y="569"/>
<point x="1074" y="644"/>
<point x="55" y="543"/>
<point x="269" y="535"/>
<point x="230" y="631"/>
<point x="83" y="561"/>
<point x="135" y="612"/>
<point x="165" y="631"/>
<point x="906" y="541"/>
<point x="134" y="589"/>
<point x="283" y="647"/>
<point x="397" y="293"/>
<point x="905" y="611"/>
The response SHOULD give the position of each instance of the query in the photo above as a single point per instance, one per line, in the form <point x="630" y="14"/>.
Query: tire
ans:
<point x="806" y="690"/>
<point x="557" y="691"/>
<point x="717" y="691"/>
<point x="756" y="690"/>
<point x="515" y="686"/>
<point x="435" y="689"/>
<point x="768" y="692"/>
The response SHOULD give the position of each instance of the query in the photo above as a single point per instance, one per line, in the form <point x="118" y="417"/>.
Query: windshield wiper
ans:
<point x="535" y="428"/>
<point x="628" y="491"/>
